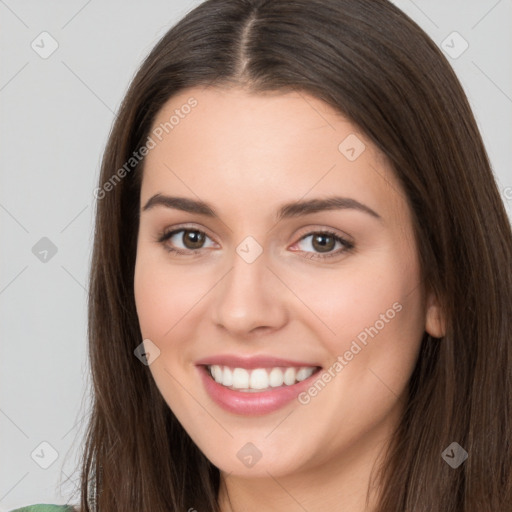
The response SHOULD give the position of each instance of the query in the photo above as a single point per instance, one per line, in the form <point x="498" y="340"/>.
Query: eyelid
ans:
<point x="316" y="228"/>
<point x="308" y="230"/>
<point x="166" y="232"/>
<point x="345" y="240"/>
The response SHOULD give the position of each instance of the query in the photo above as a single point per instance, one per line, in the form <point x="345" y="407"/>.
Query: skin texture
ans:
<point x="246" y="154"/>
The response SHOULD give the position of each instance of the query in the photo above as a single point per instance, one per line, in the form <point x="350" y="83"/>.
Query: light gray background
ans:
<point x="56" y="114"/>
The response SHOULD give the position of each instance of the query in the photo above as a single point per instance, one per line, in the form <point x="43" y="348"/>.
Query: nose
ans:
<point x="250" y="299"/>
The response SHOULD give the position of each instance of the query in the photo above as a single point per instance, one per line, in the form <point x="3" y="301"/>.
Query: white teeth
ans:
<point x="304" y="373"/>
<point x="240" y="378"/>
<point x="227" y="379"/>
<point x="217" y="373"/>
<point x="276" y="377"/>
<point x="259" y="378"/>
<point x="289" y="376"/>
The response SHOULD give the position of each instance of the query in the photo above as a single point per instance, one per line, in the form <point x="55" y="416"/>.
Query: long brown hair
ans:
<point x="370" y="62"/>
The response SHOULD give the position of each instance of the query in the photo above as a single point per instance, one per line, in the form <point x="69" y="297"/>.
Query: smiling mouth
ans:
<point x="259" y="379"/>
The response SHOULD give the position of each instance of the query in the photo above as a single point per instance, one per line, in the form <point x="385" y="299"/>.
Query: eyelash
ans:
<point x="166" y="235"/>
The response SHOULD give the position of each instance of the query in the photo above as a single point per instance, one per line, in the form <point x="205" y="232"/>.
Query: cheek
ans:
<point x="372" y="316"/>
<point x="164" y="293"/>
<point x="382" y="292"/>
<point x="375" y="313"/>
<point x="154" y="309"/>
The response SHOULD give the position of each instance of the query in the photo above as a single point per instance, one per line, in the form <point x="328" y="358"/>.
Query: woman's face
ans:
<point x="296" y="251"/>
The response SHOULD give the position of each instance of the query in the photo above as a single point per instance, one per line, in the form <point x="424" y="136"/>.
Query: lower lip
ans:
<point x="252" y="403"/>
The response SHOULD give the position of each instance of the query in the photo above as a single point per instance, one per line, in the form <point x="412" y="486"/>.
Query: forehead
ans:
<point x="235" y="148"/>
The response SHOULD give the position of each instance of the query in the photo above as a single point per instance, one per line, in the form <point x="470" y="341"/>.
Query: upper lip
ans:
<point x="250" y="362"/>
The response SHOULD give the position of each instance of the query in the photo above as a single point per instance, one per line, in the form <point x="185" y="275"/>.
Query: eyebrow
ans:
<point x="287" y="210"/>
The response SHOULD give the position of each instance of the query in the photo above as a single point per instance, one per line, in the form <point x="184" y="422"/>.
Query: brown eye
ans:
<point x="185" y="241"/>
<point x="323" y="244"/>
<point x="193" y="239"/>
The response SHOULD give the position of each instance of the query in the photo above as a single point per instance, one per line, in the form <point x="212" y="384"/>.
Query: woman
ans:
<point x="301" y="290"/>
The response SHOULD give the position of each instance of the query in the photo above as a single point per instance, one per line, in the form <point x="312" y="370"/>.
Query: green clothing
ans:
<point x="45" y="508"/>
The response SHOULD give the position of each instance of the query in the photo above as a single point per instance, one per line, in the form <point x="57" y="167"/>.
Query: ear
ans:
<point x="435" y="322"/>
